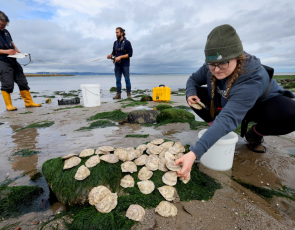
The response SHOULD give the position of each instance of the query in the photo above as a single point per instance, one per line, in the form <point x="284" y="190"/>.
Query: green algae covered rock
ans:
<point x="162" y="107"/>
<point x="175" y="115"/>
<point x="141" y="117"/>
<point x="146" y="98"/>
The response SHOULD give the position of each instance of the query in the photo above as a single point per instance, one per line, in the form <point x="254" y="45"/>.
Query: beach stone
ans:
<point x="127" y="181"/>
<point x="86" y="153"/>
<point x="129" y="166"/>
<point x="146" y="186"/>
<point x="82" y="173"/>
<point x="97" y="194"/>
<point x="144" y="174"/>
<point x="69" y="156"/>
<point x="108" y="203"/>
<point x="135" y="212"/>
<point x="110" y="158"/>
<point x="141" y="160"/>
<point x="170" y="178"/>
<point x="71" y="162"/>
<point x="168" y="192"/>
<point x="166" y="209"/>
<point x="152" y="162"/>
<point x="142" y="116"/>
<point x="92" y="161"/>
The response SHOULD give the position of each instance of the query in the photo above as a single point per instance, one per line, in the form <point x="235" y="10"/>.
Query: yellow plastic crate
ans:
<point x="161" y="93"/>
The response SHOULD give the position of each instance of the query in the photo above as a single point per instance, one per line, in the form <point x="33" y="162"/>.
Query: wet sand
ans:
<point x="232" y="207"/>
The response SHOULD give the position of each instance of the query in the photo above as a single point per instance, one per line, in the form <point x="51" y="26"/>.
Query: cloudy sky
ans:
<point x="168" y="36"/>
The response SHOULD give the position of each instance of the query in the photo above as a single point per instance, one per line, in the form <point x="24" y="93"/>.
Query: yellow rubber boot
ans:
<point x="7" y="100"/>
<point x="26" y="95"/>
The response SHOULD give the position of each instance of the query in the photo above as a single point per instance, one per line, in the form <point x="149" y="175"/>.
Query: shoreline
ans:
<point x="48" y="75"/>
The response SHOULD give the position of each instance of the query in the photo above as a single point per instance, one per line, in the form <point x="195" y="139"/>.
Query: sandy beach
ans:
<point x="232" y="207"/>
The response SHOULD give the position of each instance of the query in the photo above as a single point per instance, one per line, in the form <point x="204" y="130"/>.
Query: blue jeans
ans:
<point x="118" y="73"/>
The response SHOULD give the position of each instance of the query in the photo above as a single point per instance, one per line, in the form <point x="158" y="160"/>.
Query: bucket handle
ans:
<point x="90" y="91"/>
<point x="161" y="85"/>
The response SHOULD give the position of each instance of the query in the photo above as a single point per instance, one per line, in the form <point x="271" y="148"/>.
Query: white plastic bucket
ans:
<point x="220" y="156"/>
<point x="91" y="95"/>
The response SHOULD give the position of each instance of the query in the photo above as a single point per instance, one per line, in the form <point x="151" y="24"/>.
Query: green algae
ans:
<point x="40" y="124"/>
<point x="182" y="107"/>
<point x="134" y="103"/>
<point x="137" y="135"/>
<point x="113" y="89"/>
<point x="36" y="177"/>
<point x="11" y="226"/>
<point x="146" y="98"/>
<point x="97" y="124"/>
<point x="26" y="112"/>
<point x="26" y="152"/>
<point x="12" y="198"/>
<point x="115" y="115"/>
<point x="74" y="107"/>
<point x="162" y="107"/>
<point x="175" y="114"/>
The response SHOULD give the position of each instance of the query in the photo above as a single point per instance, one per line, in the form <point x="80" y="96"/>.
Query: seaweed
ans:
<point x="47" y="96"/>
<point x="138" y="135"/>
<point x="180" y="94"/>
<point x="40" y="124"/>
<point x="135" y="103"/>
<point x="12" y="198"/>
<point x="11" y="226"/>
<point x="97" y="124"/>
<point x="115" y="115"/>
<point x="175" y="114"/>
<point x="26" y="112"/>
<point x="194" y="125"/>
<point x="182" y="107"/>
<point x="26" y="152"/>
<point x="113" y="89"/>
<point x="146" y="98"/>
<point x="162" y="107"/>
<point x="74" y="107"/>
<point x="36" y="177"/>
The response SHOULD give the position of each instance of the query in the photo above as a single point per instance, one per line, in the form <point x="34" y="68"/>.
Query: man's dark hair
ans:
<point x="3" y="17"/>
<point x="121" y="30"/>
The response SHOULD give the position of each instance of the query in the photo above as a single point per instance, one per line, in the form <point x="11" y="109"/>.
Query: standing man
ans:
<point x="10" y="70"/>
<point x="122" y="51"/>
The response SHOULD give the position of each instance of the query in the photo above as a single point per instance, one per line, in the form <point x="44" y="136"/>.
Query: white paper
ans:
<point x="18" y="55"/>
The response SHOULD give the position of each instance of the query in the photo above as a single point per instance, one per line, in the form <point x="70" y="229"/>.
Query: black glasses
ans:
<point x="222" y="65"/>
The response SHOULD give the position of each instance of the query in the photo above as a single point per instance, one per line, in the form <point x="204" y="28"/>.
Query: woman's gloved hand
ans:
<point x="187" y="161"/>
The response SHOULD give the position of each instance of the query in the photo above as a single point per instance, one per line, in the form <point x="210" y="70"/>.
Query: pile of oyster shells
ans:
<point x="161" y="156"/>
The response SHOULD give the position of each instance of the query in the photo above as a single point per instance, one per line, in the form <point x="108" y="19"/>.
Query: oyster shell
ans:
<point x="110" y="158"/>
<point x="170" y="178"/>
<point x="97" y="194"/>
<point x="86" y="153"/>
<point x="167" y="145"/>
<point x="166" y="209"/>
<point x="129" y="166"/>
<point x="108" y="203"/>
<point x="152" y="162"/>
<point x="149" y="145"/>
<point x="97" y="152"/>
<point x="148" y="151"/>
<point x="156" y="149"/>
<point x="92" y="161"/>
<point x="138" y="153"/>
<point x="169" y="157"/>
<point x="118" y="150"/>
<point x="179" y="146"/>
<point x="135" y="212"/>
<point x="185" y="181"/>
<point x="123" y="155"/>
<point x="72" y="162"/>
<point x="146" y="186"/>
<point x="106" y="148"/>
<point x="141" y="148"/>
<point x="141" y="160"/>
<point x="196" y="106"/>
<point x="144" y="174"/>
<point x="171" y="166"/>
<point x="174" y="150"/>
<point x="157" y="141"/>
<point x="82" y="173"/>
<point x="168" y="192"/>
<point x="179" y="155"/>
<point x="127" y="181"/>
<point x="69" y="156"/>
<point x="131" y="154"/>
<point x="162" y="166"/>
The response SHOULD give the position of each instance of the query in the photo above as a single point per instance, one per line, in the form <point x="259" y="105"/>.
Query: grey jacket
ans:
<point x="243" y="96"/>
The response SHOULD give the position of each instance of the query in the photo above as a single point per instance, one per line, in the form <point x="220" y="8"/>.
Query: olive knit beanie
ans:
<point x="223" y="44"/>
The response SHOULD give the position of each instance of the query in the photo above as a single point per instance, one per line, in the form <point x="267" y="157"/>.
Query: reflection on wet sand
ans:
<point x="25" y="139"/>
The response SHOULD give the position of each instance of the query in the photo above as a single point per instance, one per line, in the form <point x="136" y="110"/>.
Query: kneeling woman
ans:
<point x="239" y="89"/>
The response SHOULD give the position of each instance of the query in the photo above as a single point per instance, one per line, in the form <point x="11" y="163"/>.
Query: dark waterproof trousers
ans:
<point x="11" y="72"/>
<point x="275" y="116"/>
<point x="119" y="70"/>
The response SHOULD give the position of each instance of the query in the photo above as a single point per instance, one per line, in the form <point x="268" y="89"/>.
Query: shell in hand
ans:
<point x="146" y="186"/>
<point x="86" y="153"/>
<point x="166" y="209"/>
<point x="168" y="192"/>
<point x="179" y="155"/>
<point x="92" y="161"/>
<point x="106" y="148"/>
<point x="197" y="106"/>
<point x="110" y="158"/>
<point x="72" y="162"/>
<point x="157" y="141"/>
<point x="170" y="178"/>
<point x="152" y="162"/>
<point x="69" y="156"/>
<point x="171" y="166"/>
<point x="127" y="181"/>
<point x="144" y="174"/>
<point x="97" y="194"/>
<point x="141" y="160"/>
<point x="108" y="203"/>
<point x="135" y="212"/>
<point x="129" y="166"/>
<point x="82" y="173"/>
<point x="185" y="181"/>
